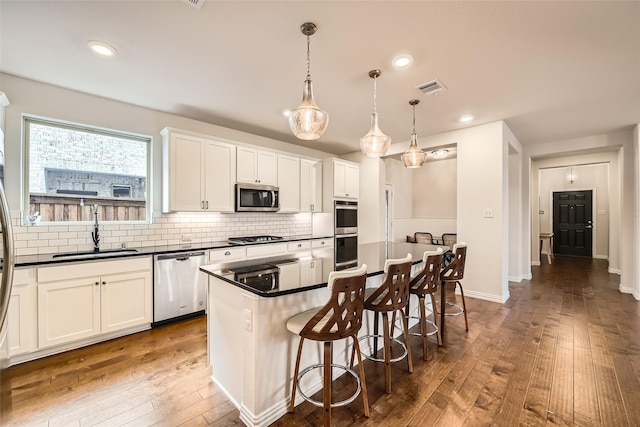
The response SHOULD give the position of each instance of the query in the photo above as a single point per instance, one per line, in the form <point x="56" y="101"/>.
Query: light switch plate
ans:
<point x="487" y="213"/>
<point x="248" y="320"/>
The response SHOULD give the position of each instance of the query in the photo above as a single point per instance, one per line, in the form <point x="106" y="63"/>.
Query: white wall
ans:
<point x="629" y="255"/>
<point x="435" y="189"/>
<point x="635" y="283"/>
<point x="517" y="272"/>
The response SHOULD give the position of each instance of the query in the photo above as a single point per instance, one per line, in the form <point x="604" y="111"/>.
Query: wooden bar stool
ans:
<point x="453" y="273"/>
<point x="547" y="237"/>
<point x="339" y="318"/>
<point x="426" y="283"/>
<point x="390" y="297"/>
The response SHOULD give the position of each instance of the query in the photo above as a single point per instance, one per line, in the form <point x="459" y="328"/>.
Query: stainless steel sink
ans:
<point x="91" y="254"/>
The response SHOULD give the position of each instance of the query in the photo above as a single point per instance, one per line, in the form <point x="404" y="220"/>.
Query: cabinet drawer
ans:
<point x="21" y="277"/>
<point x="91" y="269"/>
<point x="263" y="250"/>
<point x="227" y="254"/>
<point x="322" y="243"/>
<point x="299" y="246"/>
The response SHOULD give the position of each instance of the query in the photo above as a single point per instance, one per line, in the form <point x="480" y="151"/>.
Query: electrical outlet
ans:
<point x="248" y="320"/>
<point x="186" y="237"/>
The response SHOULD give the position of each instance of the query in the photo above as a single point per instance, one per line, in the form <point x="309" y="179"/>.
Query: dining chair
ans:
<point x="454" y="273"/>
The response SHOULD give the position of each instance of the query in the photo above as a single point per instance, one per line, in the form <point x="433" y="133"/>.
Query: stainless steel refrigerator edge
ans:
<point x="8" y="262"/>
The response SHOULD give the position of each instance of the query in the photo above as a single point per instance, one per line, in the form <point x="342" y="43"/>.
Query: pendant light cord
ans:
<point x="414" y="118"/>
<point x="308" y="61"/>
<point x="374" y="94"/>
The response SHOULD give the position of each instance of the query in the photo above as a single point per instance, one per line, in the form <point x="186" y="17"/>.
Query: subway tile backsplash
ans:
<point x="166" y="229"/>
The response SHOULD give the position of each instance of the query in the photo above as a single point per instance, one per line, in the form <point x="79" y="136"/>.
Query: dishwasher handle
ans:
<point x="180" y="256"/>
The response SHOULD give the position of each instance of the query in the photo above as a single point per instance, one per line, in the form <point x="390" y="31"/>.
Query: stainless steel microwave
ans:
<point x="257" y="198"/>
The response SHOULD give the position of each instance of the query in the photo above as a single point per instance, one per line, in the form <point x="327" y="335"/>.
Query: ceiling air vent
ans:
<point x="432" y="87"/>
<point x="195" y="3"/>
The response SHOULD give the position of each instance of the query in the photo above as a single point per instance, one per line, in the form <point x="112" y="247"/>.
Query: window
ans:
<point x="71" y="167"/>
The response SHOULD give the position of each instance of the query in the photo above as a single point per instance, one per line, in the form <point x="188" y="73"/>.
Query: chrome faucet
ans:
<point x="95" y="235"/>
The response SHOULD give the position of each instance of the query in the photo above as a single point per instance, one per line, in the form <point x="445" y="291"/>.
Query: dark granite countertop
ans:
<point x="49" y="259"/>
<point x="372" y="254"/>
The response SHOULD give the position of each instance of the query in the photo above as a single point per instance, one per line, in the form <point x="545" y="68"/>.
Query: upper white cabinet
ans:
<point x="198" y="172"/>
<point x="289" y="183"/>
<point x="310" y="186"/>
<point x="77" y="301"/>
<point x="257" y="166"/>
<point x="342" y="178"/>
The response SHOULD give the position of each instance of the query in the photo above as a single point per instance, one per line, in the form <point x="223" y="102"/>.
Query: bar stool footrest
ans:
<point x="375" y="359"/>
<point x="333" y="404"/>
<point x="458" y="312"/>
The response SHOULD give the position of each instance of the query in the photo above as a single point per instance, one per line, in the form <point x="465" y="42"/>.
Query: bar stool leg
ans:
<point x="326" y="399"/>
<point x="387" y="352"/>
<point x="405" y="324"/>
<point x="464" y="307"/>
<point x="423" y="327"/>
<point x="292" y="403"/>
<point x="363" y="383"/>
<point x="435" y="318"/>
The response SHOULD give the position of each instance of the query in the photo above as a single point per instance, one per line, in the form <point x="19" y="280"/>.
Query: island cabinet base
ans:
<point x="252" y="353"/>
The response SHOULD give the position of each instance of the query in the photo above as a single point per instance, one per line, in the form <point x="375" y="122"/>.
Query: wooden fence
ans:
<point x="65" y="207"/>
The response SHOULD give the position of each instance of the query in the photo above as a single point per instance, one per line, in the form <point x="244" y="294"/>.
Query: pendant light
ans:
<point x="307" y="121"/>
<point x="374" y="143"/>
<point x="414" y="157"/>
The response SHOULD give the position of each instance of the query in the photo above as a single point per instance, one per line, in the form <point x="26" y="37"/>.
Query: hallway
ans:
<point x="564" y="350"/>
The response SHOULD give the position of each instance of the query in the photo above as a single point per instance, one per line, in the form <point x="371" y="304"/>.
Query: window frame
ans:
<point x="28" y="119"/>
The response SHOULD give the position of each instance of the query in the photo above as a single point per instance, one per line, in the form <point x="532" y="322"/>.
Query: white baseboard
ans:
<point x="626" y="290"/>
<point x="613" y="270"/>
<point x="486" y="297"/>
<point x="535" y="263"/>
<point x="517" y="279"/>
<point x="601" y="257"/>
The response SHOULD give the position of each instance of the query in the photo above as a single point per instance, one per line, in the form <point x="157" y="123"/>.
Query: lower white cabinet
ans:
<point x="73" y="305"/>
<point x="23" y="312"/>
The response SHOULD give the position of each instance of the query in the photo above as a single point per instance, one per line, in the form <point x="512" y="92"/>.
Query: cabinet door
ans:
<point x="352" y="181"/>
<point x="289" y="276"/>
<point x="339" y="176"/>
<point x="246" y="165"/>
<point x="22" y="316"/>
<point x="185" y="163"/>
<point x="219" y="176"/>
<point x="126" y="300"/>
<point x="267" y="168"/>
<point x="289" y="183"/>
<point x="310" y="272"/>
<point x="310" y="186"/>
<point x="68" y="310"/>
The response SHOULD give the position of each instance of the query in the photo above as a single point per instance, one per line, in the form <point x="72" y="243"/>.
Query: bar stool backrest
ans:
<point x="426" y="282"/>
<point x="455" y="270"/>
<point x="393" y="293"/>
<point x="423" y="237"/>
<point x="341" y="316"/>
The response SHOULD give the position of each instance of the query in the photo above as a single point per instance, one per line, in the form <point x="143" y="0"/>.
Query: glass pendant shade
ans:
<point x="414" y="157"/>
<point x="374" y="143"/>
<point x="307" y="121"/>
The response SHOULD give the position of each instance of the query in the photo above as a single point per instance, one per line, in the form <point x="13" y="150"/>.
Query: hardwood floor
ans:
<point x="564" y="350"/>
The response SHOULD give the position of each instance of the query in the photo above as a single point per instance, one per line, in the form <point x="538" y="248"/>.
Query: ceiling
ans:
<point x="551" y="70"/>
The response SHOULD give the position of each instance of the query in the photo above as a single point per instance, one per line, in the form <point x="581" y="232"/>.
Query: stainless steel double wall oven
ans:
<point x="345" y="218"/>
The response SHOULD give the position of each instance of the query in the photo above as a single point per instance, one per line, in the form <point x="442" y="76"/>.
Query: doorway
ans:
<point x="573" y="223"/>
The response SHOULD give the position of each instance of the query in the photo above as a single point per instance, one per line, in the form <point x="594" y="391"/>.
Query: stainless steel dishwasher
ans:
<point x="179" y="288"/>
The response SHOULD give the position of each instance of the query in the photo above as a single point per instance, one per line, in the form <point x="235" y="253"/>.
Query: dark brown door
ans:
<point x="572" y="223"/>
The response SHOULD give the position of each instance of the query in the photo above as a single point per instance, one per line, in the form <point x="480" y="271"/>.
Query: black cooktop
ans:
<point x="254" y="239"/>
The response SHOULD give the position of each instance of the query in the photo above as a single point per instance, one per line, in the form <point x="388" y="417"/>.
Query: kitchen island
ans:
<point x="249" y="302"/>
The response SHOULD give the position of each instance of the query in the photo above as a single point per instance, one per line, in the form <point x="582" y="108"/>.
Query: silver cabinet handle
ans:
<point x="322" y="243"/>
<point x="227" y="253"/>
<point x="97" y="283"/>
<point x="299" y="245"/>
<point x="104" y="283"/>
<point x="207" y="205"/>
<point x="202" y="204"/>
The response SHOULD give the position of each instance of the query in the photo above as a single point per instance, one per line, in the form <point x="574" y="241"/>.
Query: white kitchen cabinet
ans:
<point x="302" y="245"/>
<point x="288" y="276"/>
<point x="83" y="300"/>
<point x="256" y="166"/>
<point x="23" y="313"/>
<point x="198" y="172"/>
<point x="310" y="271"/>
<point x="341" y="178"/>
<point x="310" y="186"/>
<point x="322" y="243"/>
<point x="227" y="254"/>
<point x="257" y="251"/>
<point x="289" y="183"/>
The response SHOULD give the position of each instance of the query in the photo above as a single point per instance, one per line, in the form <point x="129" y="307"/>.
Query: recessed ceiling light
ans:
<point x="466" y="118"/>
<point x="439" y="154"/>
<point x="402" y="61"/>
<point x="102" y="48"/>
